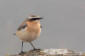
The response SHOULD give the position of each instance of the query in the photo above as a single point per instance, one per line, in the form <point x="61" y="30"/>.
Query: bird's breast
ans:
<point x="29" y="34"/>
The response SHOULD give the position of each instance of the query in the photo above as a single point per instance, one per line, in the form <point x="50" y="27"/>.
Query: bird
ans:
<point x="29" y="30"/>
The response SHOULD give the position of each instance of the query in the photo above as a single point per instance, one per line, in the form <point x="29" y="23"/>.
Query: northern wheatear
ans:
<point x="29" y="30"/>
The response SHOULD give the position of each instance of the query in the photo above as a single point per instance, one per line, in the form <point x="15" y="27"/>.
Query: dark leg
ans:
<point x="34" y="47"/>
<point x="21" y="49"/>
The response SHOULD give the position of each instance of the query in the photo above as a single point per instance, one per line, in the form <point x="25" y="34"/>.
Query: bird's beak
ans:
<point x="41" y="18"/>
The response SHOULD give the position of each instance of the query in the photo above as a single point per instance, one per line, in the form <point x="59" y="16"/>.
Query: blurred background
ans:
<point x="63" y="24"/>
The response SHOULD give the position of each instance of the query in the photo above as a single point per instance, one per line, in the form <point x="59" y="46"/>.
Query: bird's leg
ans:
<point x="34" y="46"/>
<point x="21" y="49"/>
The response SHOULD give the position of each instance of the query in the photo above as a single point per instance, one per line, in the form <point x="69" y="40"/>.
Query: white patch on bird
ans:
<point x="34" y="17"/>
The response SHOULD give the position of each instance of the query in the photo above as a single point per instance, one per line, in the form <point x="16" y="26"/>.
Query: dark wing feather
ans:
<point x="22" y="26"/>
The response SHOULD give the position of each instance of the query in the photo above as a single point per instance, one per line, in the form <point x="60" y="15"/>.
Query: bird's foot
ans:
<point x="35" y="49"/>
<point x="22" y="53"/>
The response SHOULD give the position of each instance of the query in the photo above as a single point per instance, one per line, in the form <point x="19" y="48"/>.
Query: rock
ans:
<point x="51" y="52"/>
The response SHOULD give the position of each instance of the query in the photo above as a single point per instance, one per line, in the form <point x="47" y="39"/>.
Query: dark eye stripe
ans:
<point x="33" y="19"/>
<point x="22" y="27"/>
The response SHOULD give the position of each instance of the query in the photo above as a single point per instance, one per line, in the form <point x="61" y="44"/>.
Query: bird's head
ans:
<point x="30" y="21"/>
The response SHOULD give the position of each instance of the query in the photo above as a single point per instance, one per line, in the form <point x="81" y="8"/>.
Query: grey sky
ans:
<point x="63" y="24"/>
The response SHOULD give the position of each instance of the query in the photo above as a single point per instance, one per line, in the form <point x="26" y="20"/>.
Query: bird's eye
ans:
<point x="22" y="26"/>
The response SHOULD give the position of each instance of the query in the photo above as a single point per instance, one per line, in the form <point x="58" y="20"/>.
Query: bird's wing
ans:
<point x="22" y="26"/>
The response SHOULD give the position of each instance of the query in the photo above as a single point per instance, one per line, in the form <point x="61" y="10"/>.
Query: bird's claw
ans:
<point x="21" y="53"/>
<point x="36" y="49"/>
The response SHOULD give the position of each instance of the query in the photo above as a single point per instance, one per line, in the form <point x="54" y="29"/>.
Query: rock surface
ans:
<point x="51" y="52"/>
